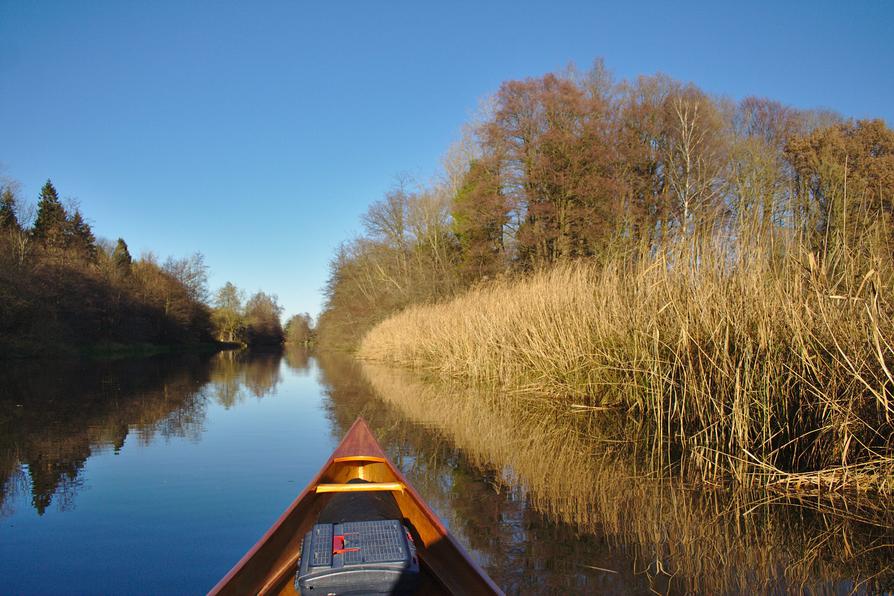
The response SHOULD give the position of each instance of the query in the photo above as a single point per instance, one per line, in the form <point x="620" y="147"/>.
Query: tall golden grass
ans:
<point x="572" y="468"/>
<point x="776" y="371"/>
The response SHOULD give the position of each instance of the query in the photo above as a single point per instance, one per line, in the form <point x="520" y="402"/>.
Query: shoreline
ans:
<point x="34" y="350"/>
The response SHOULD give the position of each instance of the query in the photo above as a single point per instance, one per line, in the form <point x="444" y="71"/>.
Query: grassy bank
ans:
<point x="764" y="371"/>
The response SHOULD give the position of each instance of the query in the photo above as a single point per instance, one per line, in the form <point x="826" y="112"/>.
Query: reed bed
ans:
<point x="755" y="370"/>
<point x="571" y="467"/>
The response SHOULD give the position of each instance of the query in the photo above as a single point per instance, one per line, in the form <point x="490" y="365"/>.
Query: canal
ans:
<point x="155" y="475"/>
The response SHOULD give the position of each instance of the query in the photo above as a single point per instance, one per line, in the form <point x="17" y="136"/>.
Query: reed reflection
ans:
<point x="520" y="480"/>
<point x="522" y="549"/>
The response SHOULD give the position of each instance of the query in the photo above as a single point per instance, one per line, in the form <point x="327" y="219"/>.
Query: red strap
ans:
<point x="338" y="545"/>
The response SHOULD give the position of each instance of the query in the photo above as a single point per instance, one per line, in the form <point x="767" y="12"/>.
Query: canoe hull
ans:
<point x="269" y="567"/>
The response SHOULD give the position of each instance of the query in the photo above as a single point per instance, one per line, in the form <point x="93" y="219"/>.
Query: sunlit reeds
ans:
<point x="573" y="468"/>
<point x="776" y="372"/>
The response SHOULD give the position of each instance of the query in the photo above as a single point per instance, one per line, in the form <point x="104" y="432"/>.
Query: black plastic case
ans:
<point x="358" y="557"/>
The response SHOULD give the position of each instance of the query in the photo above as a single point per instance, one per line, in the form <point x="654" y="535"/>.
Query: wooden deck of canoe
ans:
<point x="270" y="566"/>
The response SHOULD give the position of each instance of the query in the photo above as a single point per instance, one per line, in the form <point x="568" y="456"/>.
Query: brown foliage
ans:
<point x="57" y="288"/>
<point x="550" y="140"/>
<point x="569" y="167"/>
<point x="262" y="324"/>
<point x="407" y="255"/>
<point x="844" y="184"/>
<point x="299" y="330"/>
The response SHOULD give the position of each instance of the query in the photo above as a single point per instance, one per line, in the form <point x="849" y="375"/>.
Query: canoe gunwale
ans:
<point x="357" y="452"/>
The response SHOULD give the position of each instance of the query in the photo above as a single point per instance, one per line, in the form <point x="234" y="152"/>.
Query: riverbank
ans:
<point x="764" y="373"/>
<point x="16" y="349"/>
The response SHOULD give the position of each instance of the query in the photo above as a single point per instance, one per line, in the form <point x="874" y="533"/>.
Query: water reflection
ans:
<point x="239" y="375"/>
<point x="297" y="358"/>
<point x="55" y="415"/>
<point x="522" y="483"/>
<point x="516" y="479"/>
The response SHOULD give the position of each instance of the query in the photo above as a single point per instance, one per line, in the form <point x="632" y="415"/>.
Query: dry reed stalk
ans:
<point x="742" y="365"/>
<point x="572" y="467"/>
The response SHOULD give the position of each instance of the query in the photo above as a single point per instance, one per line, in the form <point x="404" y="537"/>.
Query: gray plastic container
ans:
<point x="358" y="557"/>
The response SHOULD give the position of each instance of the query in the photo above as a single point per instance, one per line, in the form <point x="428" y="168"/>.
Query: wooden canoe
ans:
<point x="271" y="564"/>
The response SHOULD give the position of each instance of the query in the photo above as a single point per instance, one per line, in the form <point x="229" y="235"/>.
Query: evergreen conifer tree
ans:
<point x="81" y="236"/>
<point x="8" y="219"/>
<point x="50" y="225"/>
<point x="121" y="258"/>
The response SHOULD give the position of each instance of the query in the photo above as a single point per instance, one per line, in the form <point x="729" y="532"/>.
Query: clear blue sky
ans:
<point x="257" y="132"/>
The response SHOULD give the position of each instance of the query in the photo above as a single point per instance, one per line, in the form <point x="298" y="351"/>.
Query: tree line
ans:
<point x="252" y="321"/>
<point x="300" y="331"/>
<point x="62" y="288"/>
<point x="576" y="165"/>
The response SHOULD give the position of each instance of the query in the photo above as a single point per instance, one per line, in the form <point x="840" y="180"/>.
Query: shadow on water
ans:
<point x="552" y="500"/>
<point x="55" y="415"/>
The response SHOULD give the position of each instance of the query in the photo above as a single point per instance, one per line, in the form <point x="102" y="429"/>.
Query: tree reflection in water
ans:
<point x="55" y="415"/>
<point x="297" y="358"/>
<point x="548" y="499"/>
<point x="240" y="374"/>
<point x="553" y="500"/>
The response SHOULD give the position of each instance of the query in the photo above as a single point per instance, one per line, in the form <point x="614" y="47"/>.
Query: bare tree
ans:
<point x="693" y="160"/>
<point x="19" y="237"/>
<point x="192" y="272"/>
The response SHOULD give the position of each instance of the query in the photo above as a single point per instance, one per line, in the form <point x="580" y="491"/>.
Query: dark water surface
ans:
<point x="156" y="475"/>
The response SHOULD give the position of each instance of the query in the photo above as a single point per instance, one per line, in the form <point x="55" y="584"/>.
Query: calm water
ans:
<point x="156" y="475"/>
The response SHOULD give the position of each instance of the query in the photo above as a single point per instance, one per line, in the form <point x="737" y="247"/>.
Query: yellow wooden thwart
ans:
<point x="360" y="487"/>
